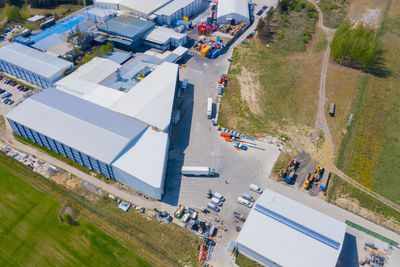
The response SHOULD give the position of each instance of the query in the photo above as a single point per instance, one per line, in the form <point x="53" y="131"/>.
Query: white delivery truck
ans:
<point x="216" y="201"/>
<point x="244" y="202"/>
<point x="219" y="196"/>
<point x="248" y="197"/>
<point x="209" y="108"/>
<point x="197" y="171"/>
<point x="255" y="188"/>
<point x="212" y="206"/>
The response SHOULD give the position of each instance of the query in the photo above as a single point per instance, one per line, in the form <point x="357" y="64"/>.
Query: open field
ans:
<point x="160" y="245"/>
<point x="272" y="88"/>
<point x="334" y="11"/>
<point x="30" y="232"/>
<point x="370" y="152"/>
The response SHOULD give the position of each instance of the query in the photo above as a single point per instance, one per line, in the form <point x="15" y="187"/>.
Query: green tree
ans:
<point x="357" y="47"/>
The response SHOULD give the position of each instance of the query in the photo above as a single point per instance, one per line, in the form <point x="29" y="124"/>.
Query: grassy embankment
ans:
<point x="244" y="261"/>
<point x="272" y="86"/>
<point x="32" y="233"/>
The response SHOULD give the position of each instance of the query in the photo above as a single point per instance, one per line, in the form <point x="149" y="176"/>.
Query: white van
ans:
<point x="255" y="188"/>
<point x="213" y="206"/>
<point x="244" y="202"/>
<point x="248" y="197"/>
<point x="219" y="196"/>
<point x="216" y="201"/>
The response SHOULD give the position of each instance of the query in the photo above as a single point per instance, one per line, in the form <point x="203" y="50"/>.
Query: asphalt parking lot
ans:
<point x="16" y="96"/>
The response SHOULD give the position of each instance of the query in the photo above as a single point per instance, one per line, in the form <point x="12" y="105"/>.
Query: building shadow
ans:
<point x="348" y="256"/>
<point x="179" y="141"/>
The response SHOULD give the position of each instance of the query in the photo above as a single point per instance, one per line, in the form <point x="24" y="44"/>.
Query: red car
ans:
<point x="247" y="37"/>
<point x="1" y="78"/>
<point x="13" y="84"/>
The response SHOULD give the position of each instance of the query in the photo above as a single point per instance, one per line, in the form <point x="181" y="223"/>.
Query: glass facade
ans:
<point x="63" y="149"/>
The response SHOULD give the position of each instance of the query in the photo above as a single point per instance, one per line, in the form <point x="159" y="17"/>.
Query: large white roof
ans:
<point x="230" y="7"/>
<point x="161" y="35"/>
<point x="291" y="234"/>
<point x="84" y="82"/>
<point x="143" y="6"/>
<point x="150" y="100"/>
<point x="34" y="60"/>
<point x="173" y="7"/>
<point x="84" y="126"/>
<point x="146" y="160"/>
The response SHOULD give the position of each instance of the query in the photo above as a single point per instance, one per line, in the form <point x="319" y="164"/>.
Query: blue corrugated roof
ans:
<point x="128" y="27"/>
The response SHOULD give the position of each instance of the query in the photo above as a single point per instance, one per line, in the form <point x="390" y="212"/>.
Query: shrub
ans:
<point x="357" y="47"/>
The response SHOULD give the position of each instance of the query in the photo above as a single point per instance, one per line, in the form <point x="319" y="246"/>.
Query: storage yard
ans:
<point x="138" y="118"/>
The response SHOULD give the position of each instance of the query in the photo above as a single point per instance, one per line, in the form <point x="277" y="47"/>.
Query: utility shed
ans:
<point x="282" y="232"/>
<point x="32" y="65"/>
<point x="233" y="11"/>
<point x="177" y="9"/>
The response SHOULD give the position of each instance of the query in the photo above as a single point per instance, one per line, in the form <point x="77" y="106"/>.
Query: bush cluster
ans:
<point x="357" y="47"/>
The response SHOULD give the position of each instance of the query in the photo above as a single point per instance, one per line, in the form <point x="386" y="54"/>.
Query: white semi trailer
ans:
<point x="197" y="171"/>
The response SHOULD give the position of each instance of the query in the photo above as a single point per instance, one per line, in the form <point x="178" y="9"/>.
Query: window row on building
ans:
<point x="63" y="149"/>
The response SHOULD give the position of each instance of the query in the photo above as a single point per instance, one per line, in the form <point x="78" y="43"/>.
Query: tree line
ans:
<point x="42" y="3"/>
<point x="357" y="47"/>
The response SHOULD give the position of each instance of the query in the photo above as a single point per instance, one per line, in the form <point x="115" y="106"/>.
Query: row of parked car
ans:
<point x="5" y="97"/>
<point x="13" y="84"/>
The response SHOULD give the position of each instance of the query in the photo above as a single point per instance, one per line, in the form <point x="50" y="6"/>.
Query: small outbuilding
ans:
<point x="233" y="11"/>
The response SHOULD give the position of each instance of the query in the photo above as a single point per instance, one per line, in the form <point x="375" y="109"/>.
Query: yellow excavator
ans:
<point x="315" y="176"/>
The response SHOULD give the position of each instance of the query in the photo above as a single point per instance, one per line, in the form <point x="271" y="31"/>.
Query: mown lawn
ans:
<point x="31" y="233"/>
<point x="272" y="87"/>
<point x="370" y="151"/>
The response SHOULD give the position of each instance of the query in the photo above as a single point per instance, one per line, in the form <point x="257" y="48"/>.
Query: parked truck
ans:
<point x="197" y="171"/>
<point x="209" y="108"/>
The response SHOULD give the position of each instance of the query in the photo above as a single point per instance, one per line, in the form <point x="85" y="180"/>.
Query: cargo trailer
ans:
<point x="197" y="171"/>
<point x="209" y="108"/>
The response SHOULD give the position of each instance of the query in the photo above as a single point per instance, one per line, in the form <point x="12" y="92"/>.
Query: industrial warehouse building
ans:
<point x="282" y="232"/>
<point x="233" y="11"/>
<point x="33" y="66"/>
<point x="104" y="118"/>
<point x="127" y="31"/>
<point x="137" y="7"/>
<point x="177" y="9"/>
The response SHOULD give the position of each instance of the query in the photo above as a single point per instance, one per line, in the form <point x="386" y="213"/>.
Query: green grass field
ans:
<point x="244" y="261"/>
<point x="31" y="233"/>
<point x="334" y="11"/>
<point x="269" y="87"/>
<point x="32" y="203"/>
<point x="370" y="151"/>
